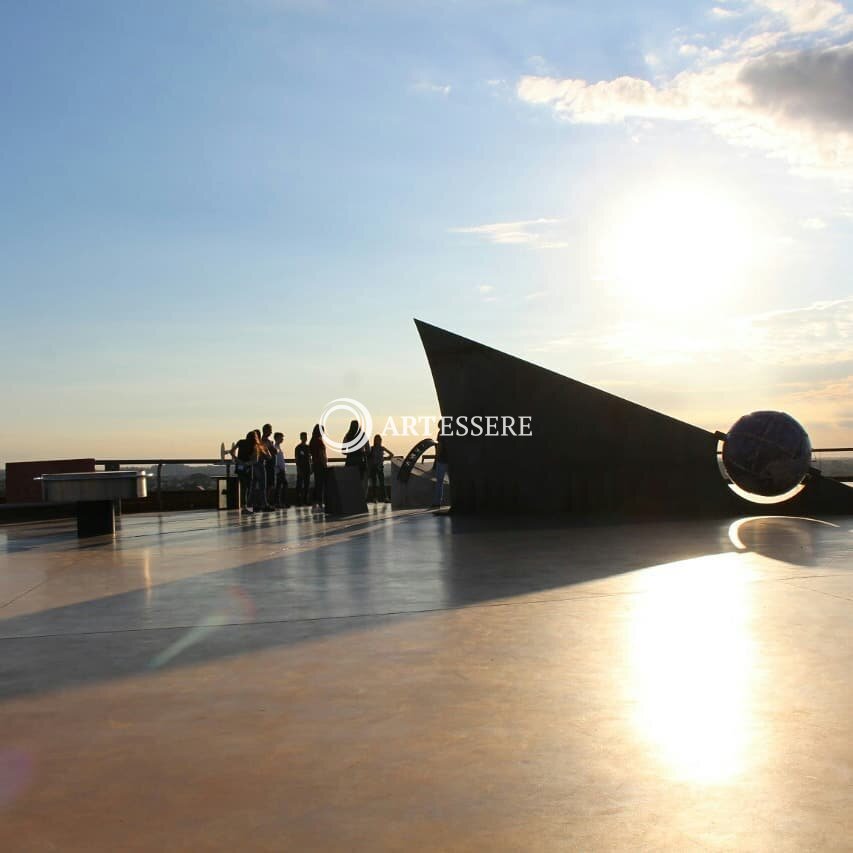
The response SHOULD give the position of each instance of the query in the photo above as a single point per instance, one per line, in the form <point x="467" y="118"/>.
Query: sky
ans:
<point x="220" y="213"/>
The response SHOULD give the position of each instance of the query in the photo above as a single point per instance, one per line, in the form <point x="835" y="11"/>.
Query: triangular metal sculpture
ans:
<point x="590" y="453"/>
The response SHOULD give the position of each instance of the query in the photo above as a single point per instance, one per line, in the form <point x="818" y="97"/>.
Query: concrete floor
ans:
<point x="403" y="681"/>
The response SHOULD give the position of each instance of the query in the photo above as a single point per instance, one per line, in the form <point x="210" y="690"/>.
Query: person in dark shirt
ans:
<point x="280" y="491"/>
<point x="251" y="456"/>
<point x="356" y="458"/>
<point x="376" y="469"/>
<point x="269" y="467"/>
<point x="440" y="467"/>
<point x="302" y="452"/>
<point x="318" y="463"/>
<point x="245" y="453"/>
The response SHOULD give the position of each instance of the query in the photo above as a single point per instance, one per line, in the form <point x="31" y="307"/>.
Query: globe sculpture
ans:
<point x="767" y="453"/>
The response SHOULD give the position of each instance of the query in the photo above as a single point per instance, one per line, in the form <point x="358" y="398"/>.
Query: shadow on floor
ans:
<point x="366" y="577"/>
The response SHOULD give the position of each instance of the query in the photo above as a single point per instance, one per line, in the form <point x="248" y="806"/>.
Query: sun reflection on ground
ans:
<point x="692" y="656"/>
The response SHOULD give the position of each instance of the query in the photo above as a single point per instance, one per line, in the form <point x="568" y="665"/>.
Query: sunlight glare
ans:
<point x="675" y="248"/>
<point x="692" y="655"/>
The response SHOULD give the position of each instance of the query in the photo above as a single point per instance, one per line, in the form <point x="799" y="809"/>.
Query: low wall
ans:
<point x="21" y="486"/>
<point x="11" y="513"/>
<point x="172" y="501"/>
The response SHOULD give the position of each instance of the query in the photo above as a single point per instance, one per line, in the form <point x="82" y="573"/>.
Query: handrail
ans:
<point x="119" y="462"/>
<point x="191" y="461"/>
<point x="115" y="464"/>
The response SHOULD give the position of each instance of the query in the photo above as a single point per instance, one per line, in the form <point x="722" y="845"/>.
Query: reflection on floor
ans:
<point x="411" y="681"/>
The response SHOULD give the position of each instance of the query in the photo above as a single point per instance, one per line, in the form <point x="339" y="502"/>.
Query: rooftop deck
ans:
<point x="410" y="681"/>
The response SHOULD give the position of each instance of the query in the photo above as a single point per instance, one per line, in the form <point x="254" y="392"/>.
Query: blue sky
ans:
<point x="226" y="212"/>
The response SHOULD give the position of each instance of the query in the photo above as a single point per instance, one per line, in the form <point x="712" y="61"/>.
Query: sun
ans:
<point x="675" y="248"/>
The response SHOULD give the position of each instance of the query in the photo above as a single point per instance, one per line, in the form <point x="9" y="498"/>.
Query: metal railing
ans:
<point x="227" y="464"/>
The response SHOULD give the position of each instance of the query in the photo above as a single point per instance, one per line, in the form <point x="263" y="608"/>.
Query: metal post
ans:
<point x="160" y="487"/>
<point x="114" y="466"/>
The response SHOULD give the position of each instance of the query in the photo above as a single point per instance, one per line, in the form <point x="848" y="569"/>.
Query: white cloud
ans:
<point x="805" y="16"/>
<point x="539" y="64"/>
<point x="721" y="12"/>
<point x="754" y="45"/>
<point x="799" y="360"/>
<point x="427" y="87"/>
<point x="486" y="293"/>
<point x="819" y="334"/>
<point x="534" y="233"/>
<point x="809" y="339"/>
<point x="813" y="223"/>
<point x="767" y="90"/>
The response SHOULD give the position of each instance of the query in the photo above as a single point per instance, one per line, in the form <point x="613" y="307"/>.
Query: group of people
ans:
<point x="370" y="461"/>
<point x="261" y="468"/>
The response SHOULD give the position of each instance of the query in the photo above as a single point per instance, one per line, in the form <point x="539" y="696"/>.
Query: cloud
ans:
<point x="819" y="334"/>
<point x="799" y="360"/>
<point x="539" y="64"/>
<point x="487" y="293"/>
<point x="721" y="12"/>
<point x="830" y="391"/>
<point x="809" y="340"/>
<point x="812" y="85"/>
<point x="805" y="16"/>
<point x="534" y="233"/>
<point x="766" y="89"/>
<point x="426" y="87"/>
<point x="813" y="223"/>
<point x="827" y="403"/>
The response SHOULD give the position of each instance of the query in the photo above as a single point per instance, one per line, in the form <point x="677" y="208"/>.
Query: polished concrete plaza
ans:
<point x="403" y="680"/>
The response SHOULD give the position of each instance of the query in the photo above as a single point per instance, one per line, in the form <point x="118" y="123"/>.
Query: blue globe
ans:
<point x="767" y="453"/>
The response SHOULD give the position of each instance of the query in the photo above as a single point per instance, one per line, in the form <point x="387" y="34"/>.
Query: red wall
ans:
<point x="22" y="488"/>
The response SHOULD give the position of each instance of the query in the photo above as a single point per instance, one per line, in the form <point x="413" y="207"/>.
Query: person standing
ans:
<point x="260" y="469"/>
<point x="440" y="468"/>
<point x="302" y="454"/>
<point x="247" y="451"/>
<point x="319" y="461"/>
<point x="376" y="469"/>
<point x="356" y="458"/>
<point x="269" y="469"/>
<point x="280" y="495"/>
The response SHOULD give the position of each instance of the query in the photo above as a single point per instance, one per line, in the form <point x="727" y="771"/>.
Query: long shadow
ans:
<point x="363" y="579"/>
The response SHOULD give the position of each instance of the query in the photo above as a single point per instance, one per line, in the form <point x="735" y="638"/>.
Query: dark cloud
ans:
<point x="815" y="85"/>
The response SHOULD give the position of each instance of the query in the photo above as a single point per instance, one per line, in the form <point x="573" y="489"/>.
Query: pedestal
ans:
<point x="95" y="518"/>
